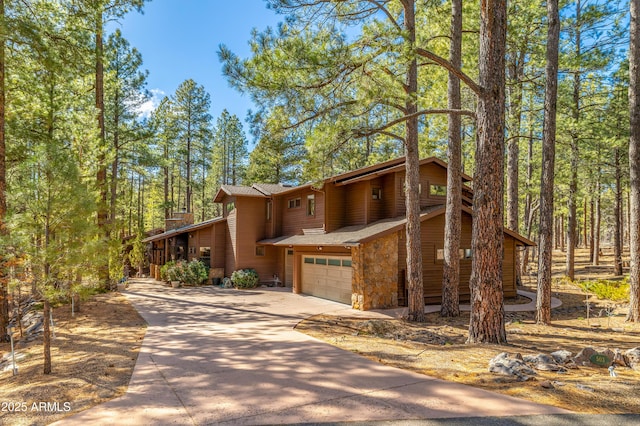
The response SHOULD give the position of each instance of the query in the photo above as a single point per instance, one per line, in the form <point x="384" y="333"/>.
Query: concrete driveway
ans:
<point x="213" y="356"/>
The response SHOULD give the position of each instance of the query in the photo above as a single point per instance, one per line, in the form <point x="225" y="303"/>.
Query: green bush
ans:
<point x="164" y="270"/>
<point x="196" y="272"/>
<point x="245" y="278"/>
<point x="607" y="289"/>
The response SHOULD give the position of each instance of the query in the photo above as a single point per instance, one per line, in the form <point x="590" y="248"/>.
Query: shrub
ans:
<point x="164" y="270"/>
<point x="245" y="278"/>
<point x="195" y="272"/>
<point x="607" y="289"/>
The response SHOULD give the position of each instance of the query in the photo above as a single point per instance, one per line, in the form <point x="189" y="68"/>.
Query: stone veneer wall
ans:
<point x="375" y="274"/>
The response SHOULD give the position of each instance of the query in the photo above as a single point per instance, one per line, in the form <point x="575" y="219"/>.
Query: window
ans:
<point x="308" y="260"/>
<point x="376" y="193"/>
<point x="269" y="207"/>
<point x="311" y="205"/>
<point x="440" y="254"/>
<point x="294" y="203"/>
<point x="438" y="190"/>
<point x="321" y="261"/>
<point x="205" y="255"/>
<point x="230" y="206"/>
<point x="334" y="262"/>
<point x="259" y="250"/>
<point x="468" y="253"/>
<point x="346" y="263"/>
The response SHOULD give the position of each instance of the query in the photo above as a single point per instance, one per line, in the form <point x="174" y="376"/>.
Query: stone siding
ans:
<point x="375" y="274"/>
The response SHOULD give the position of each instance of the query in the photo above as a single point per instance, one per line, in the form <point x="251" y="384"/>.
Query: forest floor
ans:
<point x="437" y="347"/>
<point x="94" y="353"/>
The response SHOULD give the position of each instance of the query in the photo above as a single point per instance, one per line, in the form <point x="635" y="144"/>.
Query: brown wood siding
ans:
<point x="508" y="267"/>
<point x="432" y="240"/>
<point x="294" y="220"/>
<point x="231" y="245"/>
<point x="251" y="229"/>
<point x="218" y="245"/>
<point x="334" y="207"/>
<point x="356" y="198"/>
<point x="430" y="174"/>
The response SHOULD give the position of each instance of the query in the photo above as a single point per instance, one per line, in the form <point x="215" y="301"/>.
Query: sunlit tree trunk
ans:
<point x="451" y="269"/>
<point x="543" y="303"/>
<point x="487" y="305"/>
<point x="634" y="164"/>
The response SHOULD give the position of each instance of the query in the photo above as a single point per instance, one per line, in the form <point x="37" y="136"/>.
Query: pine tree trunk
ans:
<point x="591" y="229"/>
<point x="46" y="338"/>
<point x="543" y="303"/>
<point x="617" y="231"/>
<point x="634" y="164"/>
<point x="451" y="269"/>
<point x="412" y="180"/>
<point x="4" y="299"/>
<point x="487" y="305"/>
<point x="596" y="232"/>
<point x="101" y="177"/>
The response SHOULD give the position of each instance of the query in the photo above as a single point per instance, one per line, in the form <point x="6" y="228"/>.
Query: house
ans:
<point x="342" y="239"/>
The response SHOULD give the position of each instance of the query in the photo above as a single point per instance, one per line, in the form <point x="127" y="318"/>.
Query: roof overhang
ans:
<point x="185" y="229"/>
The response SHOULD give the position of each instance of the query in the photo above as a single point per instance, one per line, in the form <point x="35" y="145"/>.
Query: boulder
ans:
<point x="586" y="356"/>
<point x="562" y="356"/>
<point x="632" y="358"/>
<point x="511" y="365"/>
<point x="544" y="362"/>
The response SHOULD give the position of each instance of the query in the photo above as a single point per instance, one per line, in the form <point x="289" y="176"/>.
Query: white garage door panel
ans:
<point x="325" y="279"/>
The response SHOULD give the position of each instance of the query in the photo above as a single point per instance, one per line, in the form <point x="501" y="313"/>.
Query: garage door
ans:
<point x="328" y="277"/>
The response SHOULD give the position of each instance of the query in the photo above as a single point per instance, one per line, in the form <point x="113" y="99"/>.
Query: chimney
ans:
<point x="178" y="220"/>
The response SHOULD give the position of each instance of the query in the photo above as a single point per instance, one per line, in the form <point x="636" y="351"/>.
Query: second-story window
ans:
<point x="311" y="205"/>
<point x="376" y="193"/>
<point x="269" y="207"/>
<point x="293" y="203"/>
<point x="230" y="206"/>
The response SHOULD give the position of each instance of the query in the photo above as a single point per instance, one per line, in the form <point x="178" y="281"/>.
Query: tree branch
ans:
<point x="447" y="65"/>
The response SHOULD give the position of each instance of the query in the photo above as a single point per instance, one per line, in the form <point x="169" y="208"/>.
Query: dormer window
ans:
<point x="294" y="203"/>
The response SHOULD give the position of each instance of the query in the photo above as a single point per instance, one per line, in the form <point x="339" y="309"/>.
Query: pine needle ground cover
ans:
<point x="437" y="347"/>
<point x="93" y="356"/>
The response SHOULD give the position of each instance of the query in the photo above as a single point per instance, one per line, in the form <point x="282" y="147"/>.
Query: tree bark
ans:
<point x="412" y="178"/>
<point x="46" y="338"/>
<point x="598" y="221"/>
<point x="617" y="231"/>
<point x="101" y="176"/>
<point x="543" y="303"/>
<point x="487" y="305"/>
<point x="634" y="164"/>
<point x="4" y="299"/>
<point x="451" y="269"/>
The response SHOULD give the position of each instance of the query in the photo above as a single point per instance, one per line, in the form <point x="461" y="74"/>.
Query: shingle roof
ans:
<point x="271" y="188"/>
<point x="184" y="229"/>
<point x="349" y="235"/>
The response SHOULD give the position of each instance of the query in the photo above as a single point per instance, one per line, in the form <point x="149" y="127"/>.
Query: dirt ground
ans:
<point x="437" y="348"/>
<point x="93" y="355"/>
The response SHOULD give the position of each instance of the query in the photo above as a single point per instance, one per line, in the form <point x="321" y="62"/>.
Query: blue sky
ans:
<point x="179" y="39"/>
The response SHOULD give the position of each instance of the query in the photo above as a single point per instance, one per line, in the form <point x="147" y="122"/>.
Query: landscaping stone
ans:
<point x="511" y="365"/>
<point x="562" y="356"/>
<point x="544" y="362"/>
<point x="585" y="357"/>
<point x="632" y="358"/>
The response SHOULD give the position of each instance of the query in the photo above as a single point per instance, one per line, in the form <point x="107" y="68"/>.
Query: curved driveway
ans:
<point x="213" y="356"/>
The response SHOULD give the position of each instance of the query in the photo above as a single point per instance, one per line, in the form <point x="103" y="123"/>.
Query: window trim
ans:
<point x="311" y="205"/>
<point x="294" y="203"/>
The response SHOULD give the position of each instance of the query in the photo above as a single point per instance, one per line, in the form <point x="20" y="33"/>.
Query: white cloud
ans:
<point x="152" y="103"/>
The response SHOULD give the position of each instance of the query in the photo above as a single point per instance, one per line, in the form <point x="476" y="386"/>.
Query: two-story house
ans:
<point x="342" y="239"/>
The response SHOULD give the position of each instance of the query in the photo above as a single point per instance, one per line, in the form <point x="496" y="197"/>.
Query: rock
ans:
<point x="585" y="388"/>
<point x="585" y="356"/>
<point x="544" y="362"/>
<point x="632" y="358"/>
<point x="562" y="356"/>
<point x="618" y="358"/>
<point x="546" y="384"/>
<point x="511" y="365"/>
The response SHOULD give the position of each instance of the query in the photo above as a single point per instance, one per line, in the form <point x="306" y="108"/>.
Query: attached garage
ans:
<point x="328" y="277"/>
